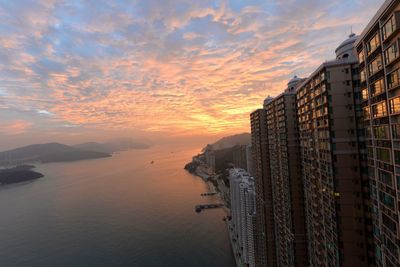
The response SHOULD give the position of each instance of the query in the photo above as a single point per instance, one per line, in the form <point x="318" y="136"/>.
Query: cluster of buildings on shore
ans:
<point x="323" y="188"/>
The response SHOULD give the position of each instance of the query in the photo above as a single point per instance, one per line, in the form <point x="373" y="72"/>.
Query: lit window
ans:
<point x="363" y="76"/>
<point x="393" y="79"/>
<point x="366" y="113"/>
<point x="394" y="105"/>
<point x="361" y="56"/>
<point x="377" y="88"/>
<point x="364" y="94"/>
<point x="379" y="110"/>
<point x="373" y="44"/>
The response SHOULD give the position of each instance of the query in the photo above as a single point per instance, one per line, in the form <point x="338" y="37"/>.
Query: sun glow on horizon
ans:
<point x="173" y="67"/>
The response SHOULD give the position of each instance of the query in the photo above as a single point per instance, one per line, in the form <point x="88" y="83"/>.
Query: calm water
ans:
<point x="120" y="211"/>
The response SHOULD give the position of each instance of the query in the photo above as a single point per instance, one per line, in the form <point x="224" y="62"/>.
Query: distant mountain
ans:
<point x="126" y="144"/>
<point x="93" y="146"/>
<point x="231" y="141"/>
<point x="113" y="146"/>
<point x="50" y="152"/>
<point x="73" y="156"/>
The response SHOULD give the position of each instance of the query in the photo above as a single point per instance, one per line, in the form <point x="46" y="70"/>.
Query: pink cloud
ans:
<point x="15" y="127"/>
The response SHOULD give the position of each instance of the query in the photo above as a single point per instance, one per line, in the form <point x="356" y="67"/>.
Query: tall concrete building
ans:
<point x="210" y="158"/>
<point x="239" y="157"/>
<point x="243" y="209"/>
<point x="242" y="157"/>
<point x="334" y="185"/>
<point x="378" y="53"/>
<point x="264" y="226"/>
<point x="249" y="158"/>
<point x="287" y="183"/>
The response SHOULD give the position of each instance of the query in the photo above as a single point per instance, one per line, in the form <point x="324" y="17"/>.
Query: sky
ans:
<point x="158" y="70"/>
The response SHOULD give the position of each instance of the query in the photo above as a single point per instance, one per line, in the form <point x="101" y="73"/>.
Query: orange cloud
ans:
<point x="200" y="68"/>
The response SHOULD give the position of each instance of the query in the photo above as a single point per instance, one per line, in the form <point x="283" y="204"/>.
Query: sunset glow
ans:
<point x="162" y="66"/>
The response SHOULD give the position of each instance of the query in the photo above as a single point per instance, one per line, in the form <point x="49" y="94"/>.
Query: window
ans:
<point x="383" y="154"/>
<point x="385" y="177"/>
<point x="366" y="113"/>
<point x="396" y="131"/>
<point x="368" y="132"/>
<point x="379" y="110"/>
<point x="393" y="79"/>
<point x="381" y="132"/>
<point x="389" y="28"/>
<point x="362" y="76"/>
<point x="377" y="88"/>
<point x="398" y="182"/>
<point x="375" y="65"/>
<point x="370" y="152"/>
<point x="373" y="44"/>
<point x="394" y="105"/>
<point x="397" y="157"/>
<point x="391" y="53"/>
<point x="361" y="56"/>
<point x="386" y="199"/>
<point x="364" y="94"/>
<point x="389" y="223"/>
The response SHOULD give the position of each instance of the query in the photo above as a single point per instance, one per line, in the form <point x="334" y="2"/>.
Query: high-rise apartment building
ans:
<point x="239" y="157"/>
<point x="210" y="158"/>
<point x="264" y="233"/>
<point x="242" y="157"/>
<point x="287" y="183"/>
<point x="334" y="188"/>
<point x="243" y="209"/>
<point x="378" y="54"/>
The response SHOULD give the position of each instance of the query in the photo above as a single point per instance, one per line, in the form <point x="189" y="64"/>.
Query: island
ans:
<point x="18" y="174"/>
<point x="46" y="153"/>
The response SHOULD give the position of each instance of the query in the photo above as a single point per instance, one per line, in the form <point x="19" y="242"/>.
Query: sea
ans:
<point x="135" y="208"/>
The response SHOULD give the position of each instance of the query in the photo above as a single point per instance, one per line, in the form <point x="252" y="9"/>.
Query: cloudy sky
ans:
<point x="72" y="70"/>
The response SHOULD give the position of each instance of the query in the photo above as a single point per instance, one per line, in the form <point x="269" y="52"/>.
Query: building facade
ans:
<point x="334" y="185"/>
<point x="243" y="210"/>
<point x="242" y="157"/>
<point x="249" y="158"/>
<point x="239" y="157"/>
<point x="264" y="226"/>
<point x="210" y="158"/>
<point x="378" y="54"/>
<point x="287" y="183"/>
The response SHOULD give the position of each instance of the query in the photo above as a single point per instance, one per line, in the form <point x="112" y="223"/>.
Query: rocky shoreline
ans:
<point x="198" y="168"/>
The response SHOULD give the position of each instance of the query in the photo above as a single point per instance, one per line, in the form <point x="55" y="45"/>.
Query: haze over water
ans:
<point x="119" y="211"/>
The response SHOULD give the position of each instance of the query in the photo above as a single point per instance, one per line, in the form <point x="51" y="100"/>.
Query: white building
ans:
<point x="242" y="210"/>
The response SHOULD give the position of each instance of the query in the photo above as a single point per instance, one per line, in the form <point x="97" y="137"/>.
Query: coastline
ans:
<point x="200" y="170"/>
